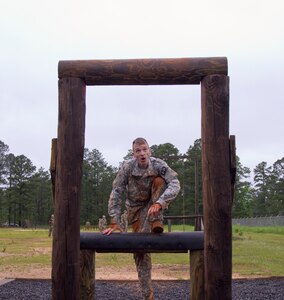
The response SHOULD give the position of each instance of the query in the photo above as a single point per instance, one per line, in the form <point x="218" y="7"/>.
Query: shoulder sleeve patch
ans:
<point x="163" y="171"/>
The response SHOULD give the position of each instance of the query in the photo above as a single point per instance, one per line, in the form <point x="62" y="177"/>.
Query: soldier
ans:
<point x="88" y="225"/>
<point x="51" y="224"/>
<point x="124" y="222"/>
<point x="150" y="185"/>
<point x="102" y="223"/>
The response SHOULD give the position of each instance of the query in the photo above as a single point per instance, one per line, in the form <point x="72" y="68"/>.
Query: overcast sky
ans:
<point x="35" y="35"/>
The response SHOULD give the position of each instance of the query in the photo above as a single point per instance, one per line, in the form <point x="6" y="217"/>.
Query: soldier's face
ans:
<point x="142" y="153"/>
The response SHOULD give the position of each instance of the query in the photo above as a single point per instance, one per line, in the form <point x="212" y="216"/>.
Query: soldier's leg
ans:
<point x="144" y="268"/>
<point x="158" y="187"/>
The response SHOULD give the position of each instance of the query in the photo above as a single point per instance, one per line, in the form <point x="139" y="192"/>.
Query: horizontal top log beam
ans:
<point x="142" y="242"/>
<point x="167" y="71"/>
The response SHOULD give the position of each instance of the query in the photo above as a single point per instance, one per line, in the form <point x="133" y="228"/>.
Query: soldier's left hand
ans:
<point x="154" y="209"/>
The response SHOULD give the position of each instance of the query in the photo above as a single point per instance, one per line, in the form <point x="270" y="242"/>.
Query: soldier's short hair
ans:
<point x="139" y="141"/>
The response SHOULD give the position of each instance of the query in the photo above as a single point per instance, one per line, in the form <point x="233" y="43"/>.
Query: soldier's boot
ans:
<point x="136" y="226"/>
<point x="157" y="227"/>
<point x="150" y="297"/>
<point x="158" y="188"/>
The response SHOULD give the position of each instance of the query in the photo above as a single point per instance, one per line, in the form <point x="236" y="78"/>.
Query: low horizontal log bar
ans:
<point x="167" y="71"/>
<point x="142" y="242"/>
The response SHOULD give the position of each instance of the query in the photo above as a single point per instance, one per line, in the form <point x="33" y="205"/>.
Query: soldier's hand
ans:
<point x="112" y="227"/>
<point x="154" y="209"/>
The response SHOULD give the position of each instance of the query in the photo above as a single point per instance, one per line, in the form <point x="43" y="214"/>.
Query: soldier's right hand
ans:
<point x="113" y="227"/>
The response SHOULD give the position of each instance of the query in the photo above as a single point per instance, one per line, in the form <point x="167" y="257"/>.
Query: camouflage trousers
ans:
<point x="142" y="224"/>
<point x="50" y="231"/>
<point x="144" y="268"/>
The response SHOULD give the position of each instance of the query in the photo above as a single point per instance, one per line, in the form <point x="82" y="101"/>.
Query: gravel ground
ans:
<point x="243" y="289"/>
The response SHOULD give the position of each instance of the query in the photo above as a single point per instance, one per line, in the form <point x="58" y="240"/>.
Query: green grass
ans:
<point x="257" y="251"/>
<point x="19" y="249"/>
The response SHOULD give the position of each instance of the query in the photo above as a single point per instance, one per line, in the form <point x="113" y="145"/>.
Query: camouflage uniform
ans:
<point x="87" y="225"/>
<point x="51" y="224"/>
<point x="124" y="221"/>
<point x="140" y="196"/>
<point x="102" y="223"/>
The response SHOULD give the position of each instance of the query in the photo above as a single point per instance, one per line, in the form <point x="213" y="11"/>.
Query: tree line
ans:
<point x="26" y="193"/>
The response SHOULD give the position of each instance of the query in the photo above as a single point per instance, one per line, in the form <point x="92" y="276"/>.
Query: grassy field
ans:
<point x="24" y="251"/>
<point x="257" y="251"/>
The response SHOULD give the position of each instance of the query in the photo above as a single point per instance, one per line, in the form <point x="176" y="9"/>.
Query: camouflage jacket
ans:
<point x="137" y="184"/>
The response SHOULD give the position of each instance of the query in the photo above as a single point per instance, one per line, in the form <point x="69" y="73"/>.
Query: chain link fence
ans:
<point x="260" y="221"/>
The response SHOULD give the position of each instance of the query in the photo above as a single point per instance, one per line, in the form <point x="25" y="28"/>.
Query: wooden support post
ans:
<point x="197" y="220"/>
<point x="216" y="187"/>
<point x="52" y="168"/>
<point x="70" y="151"/>
<point x="180" y="242"/>
<point x="196" y="274"/>
<point x="233" y="161"/>
<point x="87" y="277"/>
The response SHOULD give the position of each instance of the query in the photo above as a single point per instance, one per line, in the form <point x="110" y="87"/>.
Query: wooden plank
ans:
<point x="217" y="202"/>
<point x="70" y="150"/>
<point x="143" y="71"/>
<point x="4" y="281"/>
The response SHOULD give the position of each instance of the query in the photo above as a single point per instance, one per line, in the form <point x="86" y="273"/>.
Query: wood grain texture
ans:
<point x="216" y="171"/>
<point x="233" y="161"/>
<point x="52" y="168"/>
<point x="70" y="149"/>
<point x="143" y="71"/>
<point x="87" y="274"/>
<point x="197" y="275"/>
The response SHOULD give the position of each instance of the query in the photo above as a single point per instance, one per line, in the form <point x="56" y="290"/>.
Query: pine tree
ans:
<point x="242" y="204"/>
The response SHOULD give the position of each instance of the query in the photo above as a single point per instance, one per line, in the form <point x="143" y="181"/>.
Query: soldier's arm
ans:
<point x="115" y="200"/>
<point x="172" y="188"/>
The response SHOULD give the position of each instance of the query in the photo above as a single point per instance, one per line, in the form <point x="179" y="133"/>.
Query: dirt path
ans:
<point x="159" y="272"/>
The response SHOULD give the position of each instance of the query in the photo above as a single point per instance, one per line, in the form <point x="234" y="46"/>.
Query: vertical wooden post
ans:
<point x="52" y="168"/>
<point x="216" y="187"/>
<point x="197" y="220"/>
<point x="70" y="150"/>
<point x="88" y="276"/>
<point x="196" y="274"/>
<point x="233" y="160"/>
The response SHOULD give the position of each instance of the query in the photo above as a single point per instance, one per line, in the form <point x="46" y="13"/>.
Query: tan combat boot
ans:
<point x="150" y="297"/>
<point x="157" y="227"/>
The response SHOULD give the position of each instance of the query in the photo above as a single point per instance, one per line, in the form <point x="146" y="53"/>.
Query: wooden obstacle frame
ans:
<point x="176" y="242"/>
<point x="218" y="160"/>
